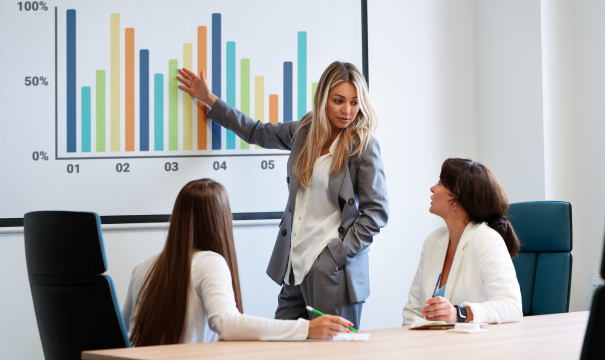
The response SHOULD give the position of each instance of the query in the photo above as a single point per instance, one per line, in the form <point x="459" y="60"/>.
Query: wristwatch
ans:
<point x="461" y="312"/>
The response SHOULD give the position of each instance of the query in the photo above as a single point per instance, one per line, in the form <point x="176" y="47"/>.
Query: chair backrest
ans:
<point x="76" y="307"/>
<point x="544" y="263"/>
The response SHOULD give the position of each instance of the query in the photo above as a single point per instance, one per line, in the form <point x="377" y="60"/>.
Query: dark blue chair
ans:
<point x="544" y="263"/>
<point x="76" y="306"/>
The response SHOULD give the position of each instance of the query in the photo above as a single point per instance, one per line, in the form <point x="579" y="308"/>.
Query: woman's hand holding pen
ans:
<point x="327" y="326"/>
<point x="196" y="86"/>
<point x="439" y="309"/>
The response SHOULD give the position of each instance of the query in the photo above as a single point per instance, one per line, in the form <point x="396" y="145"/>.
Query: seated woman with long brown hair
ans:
<point x="466" y="272"/>
<point x="190" y="292"/>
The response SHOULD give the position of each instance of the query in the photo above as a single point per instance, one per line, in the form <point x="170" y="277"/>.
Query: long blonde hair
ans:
<point x="201" y="221"/>
<point x="318" y="124"/>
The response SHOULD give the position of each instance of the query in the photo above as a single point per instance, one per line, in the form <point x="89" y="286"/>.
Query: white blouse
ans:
<point x="212" y="313"/>
<point x="482" y="276"/>
<point x="316" y="219"/>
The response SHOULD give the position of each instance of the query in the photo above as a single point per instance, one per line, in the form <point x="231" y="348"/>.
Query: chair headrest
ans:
<point x="63" y="247"/>
<point x="542" y="225"/>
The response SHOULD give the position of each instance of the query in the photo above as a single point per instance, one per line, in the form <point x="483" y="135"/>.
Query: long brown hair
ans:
<point x="318" y="123"/>
<point x="201" y="221"/>
<point x="481" y="195"/>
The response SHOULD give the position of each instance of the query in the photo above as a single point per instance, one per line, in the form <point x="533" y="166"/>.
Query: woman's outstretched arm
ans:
<point x="266" y="135"/>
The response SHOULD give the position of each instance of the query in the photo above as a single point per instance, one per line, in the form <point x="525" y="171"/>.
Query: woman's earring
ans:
<point x="452" y="207"/>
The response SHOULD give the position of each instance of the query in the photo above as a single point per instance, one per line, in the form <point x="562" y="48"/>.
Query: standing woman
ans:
<point x="337" y="187"/>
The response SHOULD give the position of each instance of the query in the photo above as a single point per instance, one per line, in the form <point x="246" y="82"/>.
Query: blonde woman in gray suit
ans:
<point x="337" y="192"/>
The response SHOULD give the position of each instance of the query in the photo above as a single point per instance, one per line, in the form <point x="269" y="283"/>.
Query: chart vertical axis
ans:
<point x="56" y="94"/>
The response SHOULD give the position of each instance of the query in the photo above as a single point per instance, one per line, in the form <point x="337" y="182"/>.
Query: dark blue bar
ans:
<point x="287" y="91"/>
<point x="216" y="74"/>
<point x="144" y="100"/>
<point x="71" y="80"/>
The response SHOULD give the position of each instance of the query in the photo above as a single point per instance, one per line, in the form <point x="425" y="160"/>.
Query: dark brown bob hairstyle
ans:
<point x="201" y="221"/>
<point x="481" y="195"/>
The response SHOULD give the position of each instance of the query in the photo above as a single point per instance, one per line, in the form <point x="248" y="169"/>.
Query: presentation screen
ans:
<point x="91" y="117"/>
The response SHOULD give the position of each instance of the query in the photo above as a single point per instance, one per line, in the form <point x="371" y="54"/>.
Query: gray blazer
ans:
<point x="359" y="190"/>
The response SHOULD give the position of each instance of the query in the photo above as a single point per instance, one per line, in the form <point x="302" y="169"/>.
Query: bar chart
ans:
<point x="173" y="121"/>
<point x="92" y="118"/>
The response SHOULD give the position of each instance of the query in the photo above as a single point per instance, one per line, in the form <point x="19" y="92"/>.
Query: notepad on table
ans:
<point x="422" y="324"/>
<point x="340" y="337"/>
<point x="351" y="337"/>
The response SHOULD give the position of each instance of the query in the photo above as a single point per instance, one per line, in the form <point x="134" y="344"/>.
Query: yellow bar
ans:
<point x="115" y="81"/>
<point x="187" y="101"/>
<point x="259" y="100"/>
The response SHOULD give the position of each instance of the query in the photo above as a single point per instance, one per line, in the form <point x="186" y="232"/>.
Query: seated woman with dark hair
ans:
<point x="190" y="292"/>
<point x="466" y="272"/>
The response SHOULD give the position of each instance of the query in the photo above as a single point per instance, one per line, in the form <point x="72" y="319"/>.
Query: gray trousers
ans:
<point x="324" y="288"/>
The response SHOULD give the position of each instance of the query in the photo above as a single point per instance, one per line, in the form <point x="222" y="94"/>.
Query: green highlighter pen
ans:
<point x="320" y="313"/>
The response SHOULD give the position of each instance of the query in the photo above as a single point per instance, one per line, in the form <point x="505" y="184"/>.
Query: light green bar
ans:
<point x="313" y="91"/>
<point x="100" y="113"/>
<point x="245" y="89"/>
<point x="173" y="105"/>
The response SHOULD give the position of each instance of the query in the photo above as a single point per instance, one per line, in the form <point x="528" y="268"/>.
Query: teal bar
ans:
<point x="230" y="88"/>
<point x="302" y="73"/>
<point x="158" y="112"/>
<point x="86" y="118"/>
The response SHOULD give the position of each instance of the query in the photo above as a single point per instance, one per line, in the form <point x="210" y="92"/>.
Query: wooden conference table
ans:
<point x="557" y="336"/>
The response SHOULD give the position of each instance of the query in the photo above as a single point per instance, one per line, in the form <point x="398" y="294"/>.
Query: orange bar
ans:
<point x="202" y="120"/>
<point x="273" y="109"/>
<point x="129" y="88"/>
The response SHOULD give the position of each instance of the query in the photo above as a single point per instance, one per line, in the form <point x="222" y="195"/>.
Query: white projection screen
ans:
<point x="91" y="118"/>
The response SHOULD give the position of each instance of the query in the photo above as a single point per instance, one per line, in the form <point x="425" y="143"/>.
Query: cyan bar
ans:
<point x="144" y="100"/>
<point x="302" y="73"/>
<point x="71" y="79"/>
<point x="158" y="112"/>
<point x="216" y="74"/>
<point x="86" y="118"/>
<point x="287" y="91"/>
<point x="230" y="88"/>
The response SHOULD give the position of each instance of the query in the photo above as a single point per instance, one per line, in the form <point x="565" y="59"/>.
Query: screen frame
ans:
<point x="162" y="218"/>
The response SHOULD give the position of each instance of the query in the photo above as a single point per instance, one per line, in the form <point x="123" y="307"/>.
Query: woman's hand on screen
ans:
<point x="440" y="309"/>
<point x="196" y="86"/>
<point x="327" y="326"/>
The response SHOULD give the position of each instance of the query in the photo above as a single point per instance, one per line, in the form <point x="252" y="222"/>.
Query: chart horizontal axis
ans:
<point x="164" y="156"/>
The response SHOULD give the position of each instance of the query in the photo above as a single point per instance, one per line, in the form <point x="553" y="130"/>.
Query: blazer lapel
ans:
<point x="293" y="184"/>
<point x="436" y="264"/>
<point x="335" y="183"/>
<point x="467" y="235"/>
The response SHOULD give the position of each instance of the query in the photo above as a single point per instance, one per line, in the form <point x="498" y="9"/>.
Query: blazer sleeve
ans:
<point x="212" y="281"/>
<point x="373" y="206"/>
<point x="414" y="305"/>
<point x="500" y="283"/>
<point x="267" y="135"/>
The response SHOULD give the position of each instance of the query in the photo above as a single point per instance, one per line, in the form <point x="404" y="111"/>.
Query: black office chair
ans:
<point x="593" y="347"/>
<point x="76" y="307"/>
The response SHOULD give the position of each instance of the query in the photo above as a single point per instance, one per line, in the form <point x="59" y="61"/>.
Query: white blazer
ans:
<point x="482" y="276"/>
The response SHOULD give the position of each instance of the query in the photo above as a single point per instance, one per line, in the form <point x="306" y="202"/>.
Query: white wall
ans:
<point x="516" y="84"/>
<point x="510" y="134"/>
